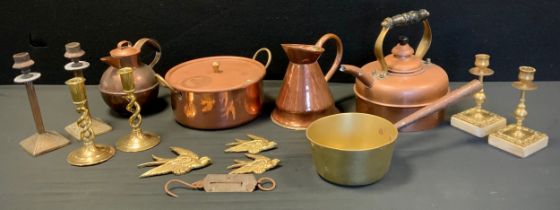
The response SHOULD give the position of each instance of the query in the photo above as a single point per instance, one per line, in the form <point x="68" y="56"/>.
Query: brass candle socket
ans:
<point x="137" y="140"/>
<point x="44" y="140"/>
<point x="74" y="52"/>
<point x="516" y="138"/>
<point x="90" y="153"/>
<point x="476" y="120"/>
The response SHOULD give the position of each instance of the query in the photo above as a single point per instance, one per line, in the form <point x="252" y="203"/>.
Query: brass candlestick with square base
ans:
<point x="74" y="52"/>
<point x="90" y="153"/>
<point x="478" y="121"/>
<point x="136" y="140"/>
<point x="43" y="141"/>
<point x="516" y="138"/>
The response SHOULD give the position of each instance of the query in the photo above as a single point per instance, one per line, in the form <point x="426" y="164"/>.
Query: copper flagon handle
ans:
<point x="140" y="43"/>
<point x="339" y="50"/>
<point x="465" y="90"/>
<point x="403" y="19"/>
<point x="268" y="53"/>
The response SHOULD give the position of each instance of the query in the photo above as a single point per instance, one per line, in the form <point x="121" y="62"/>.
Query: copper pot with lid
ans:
<point x="401" y="83"/>
<point x="145" y="80"/>
<point x="217" y="92"/>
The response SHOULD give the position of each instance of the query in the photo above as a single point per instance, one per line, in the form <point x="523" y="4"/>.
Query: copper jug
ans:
<point x="401" y="83"/>
<point x="145" y="79"/>
<point x="305" y="95"/>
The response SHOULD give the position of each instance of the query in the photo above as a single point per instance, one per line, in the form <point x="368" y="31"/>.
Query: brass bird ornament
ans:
<point x="183" y="163"/>
<point x="255" y="145"/>
<point x="258" y="165"/>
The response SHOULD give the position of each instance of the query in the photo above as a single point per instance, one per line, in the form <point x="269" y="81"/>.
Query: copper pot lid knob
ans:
<point x="216" y="67"/>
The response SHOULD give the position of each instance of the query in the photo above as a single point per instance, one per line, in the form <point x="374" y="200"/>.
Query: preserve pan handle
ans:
<point x="403" y="19"/>
<point x="339" y="51"/>
<point x="269" y="54"/>
<point x="467" y="89"/>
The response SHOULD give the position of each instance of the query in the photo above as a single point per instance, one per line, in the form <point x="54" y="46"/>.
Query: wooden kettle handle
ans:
<point x="441" y="103"/>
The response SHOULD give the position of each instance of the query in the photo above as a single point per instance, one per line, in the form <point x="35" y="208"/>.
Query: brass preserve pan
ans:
<point x="217" y="92"/>
<point x="356" y="148"/>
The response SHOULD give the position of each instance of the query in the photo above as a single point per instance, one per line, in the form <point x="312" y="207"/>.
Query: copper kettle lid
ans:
<point x="402" y="58"/>
<point x="124" y="49"/>
<point x="215" y="74"/>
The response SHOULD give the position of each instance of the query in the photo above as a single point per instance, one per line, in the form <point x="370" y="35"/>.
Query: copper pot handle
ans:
<point x="140" y="43"/>
<point x="403" y="19"/>
<point x="467" y="89"/>
<point x="269" y="54"/>
<point x="164" y="83"/>
<point x="339" y="50"/>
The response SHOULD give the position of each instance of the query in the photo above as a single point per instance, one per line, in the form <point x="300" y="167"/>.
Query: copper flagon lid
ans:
<point x="215" y="74"/>
<point x="124" y="49"/>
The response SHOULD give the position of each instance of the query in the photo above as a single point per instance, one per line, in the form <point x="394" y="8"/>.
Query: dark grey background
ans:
<point x="443" y="168"/>
<point x="515" y="32"/>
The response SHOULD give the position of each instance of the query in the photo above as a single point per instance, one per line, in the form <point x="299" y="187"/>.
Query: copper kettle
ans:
<point x="305" y="95"/>
<point x="398" y="84"/>
<point x="145" y="79"/>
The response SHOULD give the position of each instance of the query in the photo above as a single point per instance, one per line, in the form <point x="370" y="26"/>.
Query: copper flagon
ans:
<point x="145" y="80"/>
<point x="305" y="95"/>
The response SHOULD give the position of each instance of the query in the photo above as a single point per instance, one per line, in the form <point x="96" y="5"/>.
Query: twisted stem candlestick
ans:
<point x="133" y="107"/>
<point x="90" y="153"/>
<point x="84" y="123"/>
<point x="136" y="140"/>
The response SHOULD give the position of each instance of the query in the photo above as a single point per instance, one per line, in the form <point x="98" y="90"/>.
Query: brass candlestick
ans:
<point x="478" y="121"/>
<point x="90" y="153"/>
<point x="74" y="52"/>
<point x="516" y="138"/>
<point x="43" y="141"/>
<point x="136" y="140"/>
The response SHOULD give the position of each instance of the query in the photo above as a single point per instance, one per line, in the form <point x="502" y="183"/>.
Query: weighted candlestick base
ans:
<point x="137" y="141"/>
<point x="478" y="122"/>
<point x="520" y="142"/>
<point x="40" y="143"/>
<point x="90" y="155"/>
<point x="99" y="127"/>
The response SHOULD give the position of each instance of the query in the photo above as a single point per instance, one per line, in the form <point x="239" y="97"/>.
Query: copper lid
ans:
<point x="215" y="74"/>
<point x="124" y="49"/>
<point x="402" y="58"/>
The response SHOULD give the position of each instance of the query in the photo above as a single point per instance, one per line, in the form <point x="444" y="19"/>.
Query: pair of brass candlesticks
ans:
<point x="514" y="138"/>
<point x="135" y="141"/>
<point x="86" y="128"/>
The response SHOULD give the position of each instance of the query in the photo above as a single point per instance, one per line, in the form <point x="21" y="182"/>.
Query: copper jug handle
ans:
<point x="268" y="53"/>
<point x="140" y="43"/>
<point x="403" y="19"/>
<point x="339" y="50"/>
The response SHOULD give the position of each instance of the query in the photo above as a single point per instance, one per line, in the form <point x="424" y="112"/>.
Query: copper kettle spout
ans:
<point x="112" y="61"/>
<point x="365" y="78"/>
